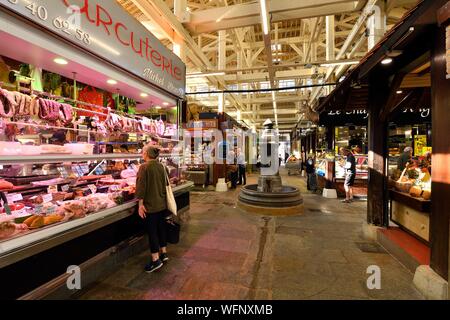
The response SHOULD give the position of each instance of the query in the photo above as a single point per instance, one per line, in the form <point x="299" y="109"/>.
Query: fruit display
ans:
<point x="416" y="182"/>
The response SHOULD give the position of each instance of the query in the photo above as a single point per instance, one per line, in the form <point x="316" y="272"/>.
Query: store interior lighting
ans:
<point x="111" y="82"/>
<point x="386" y="61"/>
<point x="61" y="61"/>
<point x="344" y="63"/>
<point x="206" y="74"/>
<point x="144" y="95"/>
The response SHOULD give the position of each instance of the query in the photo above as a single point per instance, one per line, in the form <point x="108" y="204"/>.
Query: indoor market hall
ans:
<point x="207" y="151"/>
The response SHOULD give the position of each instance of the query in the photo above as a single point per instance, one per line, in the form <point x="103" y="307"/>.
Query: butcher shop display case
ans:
<point x="49" y="201"/>
<point x="77" y="107"/>
<point x="44" y="196"/>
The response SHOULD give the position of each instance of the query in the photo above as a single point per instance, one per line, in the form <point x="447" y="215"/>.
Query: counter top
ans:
<point x="418" y="204"/>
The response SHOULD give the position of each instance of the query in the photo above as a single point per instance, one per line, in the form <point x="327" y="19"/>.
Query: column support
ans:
<point x="440" y="210"/>
<point x="377" y="199"/>
<point x="330" y="38"/>
<point x="376" y="24"/>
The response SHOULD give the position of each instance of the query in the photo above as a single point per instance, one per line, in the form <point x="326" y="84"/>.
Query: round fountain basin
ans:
<point x="288" y="201"/>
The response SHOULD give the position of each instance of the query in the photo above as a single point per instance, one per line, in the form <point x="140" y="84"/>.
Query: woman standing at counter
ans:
<point x="151" y="192"/>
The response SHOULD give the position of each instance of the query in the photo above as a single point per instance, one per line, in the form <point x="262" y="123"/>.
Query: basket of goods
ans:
<point x="403" y="184"/>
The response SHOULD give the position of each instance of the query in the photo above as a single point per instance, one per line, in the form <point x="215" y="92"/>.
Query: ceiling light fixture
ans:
<point x="111" y="82"/>
<point x="61" y="61"/>
<point x="166" y="103"/>
<point x="144" y="95"/>
<point x="386" y="61"/>
<point x="343" y="63"/>
<point x="158" y="108"/>
<point x="399" y="92"/>
<point x="206" y="74"/>
<point x="264" y="17"/>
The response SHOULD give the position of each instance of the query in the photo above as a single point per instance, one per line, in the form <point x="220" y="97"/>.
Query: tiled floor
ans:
<point x="225" y="253"/>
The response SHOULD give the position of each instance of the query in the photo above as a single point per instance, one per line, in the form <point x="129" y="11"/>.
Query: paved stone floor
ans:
<point x="225" y="253"/>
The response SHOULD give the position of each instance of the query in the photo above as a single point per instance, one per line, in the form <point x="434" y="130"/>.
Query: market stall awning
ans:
<point x="401" y="44"/>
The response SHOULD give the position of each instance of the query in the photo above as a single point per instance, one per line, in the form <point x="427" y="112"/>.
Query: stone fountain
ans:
<point x="270" y="196"/>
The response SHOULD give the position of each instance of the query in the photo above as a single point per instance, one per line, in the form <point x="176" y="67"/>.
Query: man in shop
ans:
<point x="404" y="158"/>
<point x="286" y="157"/>
<point x="350" y="174"/>
<point x="59" y="138"/>
<point x="242" y="177"/>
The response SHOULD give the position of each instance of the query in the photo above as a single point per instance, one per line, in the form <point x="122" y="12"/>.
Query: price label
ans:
<point x="14" y="197"/>
<point x="47" y="198"/>
<point x="93" y="188"/>
<point x="52" y="189"/>
<point x="114" y="187"/>
<point x="65" y="188"/>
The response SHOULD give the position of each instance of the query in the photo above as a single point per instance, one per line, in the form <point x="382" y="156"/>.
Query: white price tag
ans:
<point x="47" y="198"/>
<point x="14" y="197"/>
<point x="114" y="187"/>
<point x="52" y="189"/>
<point x="65" y="188"/>
<point x="93" y="188"/>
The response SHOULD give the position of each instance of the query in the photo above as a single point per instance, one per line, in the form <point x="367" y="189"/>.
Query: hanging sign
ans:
<point x="106" y="29"/>
<point x="342" y="118"/>
<point x="420" y="141"/>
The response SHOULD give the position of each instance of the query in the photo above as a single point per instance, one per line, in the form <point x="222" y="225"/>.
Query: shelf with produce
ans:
<point x="43" y="159"/>
<point x="417" y="203"/>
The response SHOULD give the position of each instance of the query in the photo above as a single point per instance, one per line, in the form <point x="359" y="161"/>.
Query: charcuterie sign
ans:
<point x="107" y="30"/>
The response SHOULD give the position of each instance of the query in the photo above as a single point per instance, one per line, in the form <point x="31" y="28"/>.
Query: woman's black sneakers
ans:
<point x="153" y="266"/>
<point x="163" y="257"/>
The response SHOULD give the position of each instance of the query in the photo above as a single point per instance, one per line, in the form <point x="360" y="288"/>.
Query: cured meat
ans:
<point x="5" y="185"/>
<point x="7" y="104"/>
<point x="75" y="209"/>
<point x="8" y="229"/>
<point x="22" y="103"/>
<point x="66" y="113"/>
<point x="127" y="173"/>
<point x="49" y="110"/>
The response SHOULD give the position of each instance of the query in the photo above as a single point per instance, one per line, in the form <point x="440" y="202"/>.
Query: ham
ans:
<point x="66" y="114"/>
<point x="49" y="110"/>
<point x="5" y="185"/>
<point x="7" y="104"/>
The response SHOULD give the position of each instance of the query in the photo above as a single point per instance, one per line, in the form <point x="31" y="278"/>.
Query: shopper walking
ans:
<point x="232" y="169"/>
<point x="151" y="193"/>
<point x="350" y="174"/>
<point x="242" y="176"/>
<point x="311" y="182"/>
